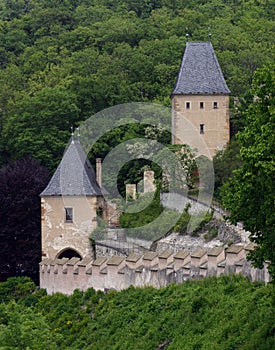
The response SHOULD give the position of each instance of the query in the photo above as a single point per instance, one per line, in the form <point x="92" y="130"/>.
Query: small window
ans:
<point x="201" y="128"/>
<point x="187" y="105"/>
<point x="215" y="105"/>
<point x="201" y="105"/>
<point x="69" y="214"/>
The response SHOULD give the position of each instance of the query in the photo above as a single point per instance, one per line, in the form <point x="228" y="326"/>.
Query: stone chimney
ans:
<point x="131" y="192"/>
<point x="148" y="178"/>
<point x="98" y="172"/>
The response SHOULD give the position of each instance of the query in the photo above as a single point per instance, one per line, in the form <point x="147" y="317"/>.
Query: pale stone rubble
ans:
<point x="157" y="269"/>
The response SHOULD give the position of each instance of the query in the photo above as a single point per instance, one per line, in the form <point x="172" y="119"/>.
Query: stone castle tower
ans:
<point x="200" y="101"/>
<point x="69" y="206"/>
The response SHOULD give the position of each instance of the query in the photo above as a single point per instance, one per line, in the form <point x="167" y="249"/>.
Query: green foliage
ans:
<point x="144" y="209"/>
<point x="21" y="182"/>
<point x="147" y="217"/>
<point x="148" y="211"/>
<point x="215" y="313"/>
<point x="181" y="225"/>
<point x="198" y="222"/>
<point x="225" y="162"/>
<point x="40" y="124"/>
<point x="250" y="194"/>
<point x="15" y="288"/>
<point x="96" y="54"/>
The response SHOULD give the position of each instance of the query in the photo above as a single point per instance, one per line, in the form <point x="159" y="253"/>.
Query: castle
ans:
<point x="74" y="198"/>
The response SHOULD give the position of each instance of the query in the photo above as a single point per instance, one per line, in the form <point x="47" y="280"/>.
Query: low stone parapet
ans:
<point x="151" y="269"/>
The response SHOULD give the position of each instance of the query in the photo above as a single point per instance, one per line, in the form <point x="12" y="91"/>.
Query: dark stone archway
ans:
<point x="69" y="253"/>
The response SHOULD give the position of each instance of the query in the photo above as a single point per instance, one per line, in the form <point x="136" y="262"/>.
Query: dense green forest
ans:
<point x="223" y="313"/>
<point x="62" y="61"/>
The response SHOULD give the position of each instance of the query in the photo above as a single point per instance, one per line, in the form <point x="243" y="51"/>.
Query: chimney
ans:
<point x="98" y="171"/>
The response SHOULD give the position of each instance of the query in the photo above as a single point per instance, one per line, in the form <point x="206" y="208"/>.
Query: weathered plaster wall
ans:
<point x="215" y="120"/>
<point x="57" y="234"/>
<point x="151" y="269"/>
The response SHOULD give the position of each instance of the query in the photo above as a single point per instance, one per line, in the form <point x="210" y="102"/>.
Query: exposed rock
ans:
<point x="214" y="234"/>
<point x="229" y="233"/>
<point x="163" y="345"/>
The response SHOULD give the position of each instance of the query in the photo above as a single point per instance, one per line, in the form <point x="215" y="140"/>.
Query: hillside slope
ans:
<point x="223" y="313"/>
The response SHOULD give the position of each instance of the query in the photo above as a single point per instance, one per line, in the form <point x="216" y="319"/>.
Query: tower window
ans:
<point x="187" y="105"/>
<point x="201" y="105"/>
<point x="69" y="214"/>
<point x="201" y="128"/>
<point x="215" y="105"/>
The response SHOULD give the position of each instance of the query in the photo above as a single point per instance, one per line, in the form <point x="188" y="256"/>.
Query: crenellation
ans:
<point x="150" y="259"/>
<point x="198" y="257"/>
<point x="203" y="271"/>
<point x="133" y="262"/>
<point x="73" y="261"/>
<point x="235" y="253"/>
<point x="165" y="258"/>
<point x="186" y="269"/>
<point x="214" y="257"/>
<point x="181" y="258"/>
<point x="151" y="269"/>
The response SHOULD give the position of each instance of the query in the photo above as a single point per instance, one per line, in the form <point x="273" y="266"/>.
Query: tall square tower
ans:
<point x="200" y="101"/>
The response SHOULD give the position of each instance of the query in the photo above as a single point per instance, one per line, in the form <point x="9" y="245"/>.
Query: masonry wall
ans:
<point x="151" y="269"/>
<point x="57" y="234"/>
<point x="186" y="122"/>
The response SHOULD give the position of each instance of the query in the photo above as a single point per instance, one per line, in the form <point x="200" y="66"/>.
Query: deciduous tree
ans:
<point x="20" y="185"/>
<point x="250" y="194"/>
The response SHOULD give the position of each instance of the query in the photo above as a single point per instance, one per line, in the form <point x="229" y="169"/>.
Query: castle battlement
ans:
<point x="150" y="269"/>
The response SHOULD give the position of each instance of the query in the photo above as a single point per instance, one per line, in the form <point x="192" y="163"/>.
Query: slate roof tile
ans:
<point x="200" y="72"/>
<point x="74" y="176"/>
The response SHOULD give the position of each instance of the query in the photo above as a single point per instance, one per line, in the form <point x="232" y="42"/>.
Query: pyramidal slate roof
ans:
<point x="200" y="72"/>
<point x="74" y="176"/>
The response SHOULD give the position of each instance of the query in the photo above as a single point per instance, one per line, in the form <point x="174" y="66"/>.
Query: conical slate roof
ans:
<point x="74" y="176"/>
<point x="200" y="72"/>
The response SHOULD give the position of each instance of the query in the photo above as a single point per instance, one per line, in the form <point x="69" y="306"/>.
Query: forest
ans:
<point x="223" y="313"/>
<point x="62" y="61"/>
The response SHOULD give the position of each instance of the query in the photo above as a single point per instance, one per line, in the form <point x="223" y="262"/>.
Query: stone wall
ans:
<point x="186" y="122"/>
<point x="151" y="269"/>
<point x="177" y="201"/>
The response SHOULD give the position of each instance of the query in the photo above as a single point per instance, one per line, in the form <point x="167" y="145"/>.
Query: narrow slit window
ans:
<point x="201" y="128"/>
<point x="69" y="214"/>
<point x="201" y="105"/>
<point x="215" y="105"/>
<point x="187" y="105"/>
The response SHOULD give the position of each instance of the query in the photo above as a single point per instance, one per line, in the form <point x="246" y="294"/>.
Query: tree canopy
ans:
<point x="62" y="61"/>
<point x="218" y="313"/>
<point x="20" y="185"/>
<point x="250" y="194"/>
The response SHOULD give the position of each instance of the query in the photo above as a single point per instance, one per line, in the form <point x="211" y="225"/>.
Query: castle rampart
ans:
<point x="151" y="269"/>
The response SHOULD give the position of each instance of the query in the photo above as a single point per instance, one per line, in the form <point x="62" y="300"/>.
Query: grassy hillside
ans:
<point x="224" y="313"/>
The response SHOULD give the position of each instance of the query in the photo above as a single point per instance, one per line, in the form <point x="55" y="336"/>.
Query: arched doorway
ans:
<point x="68" y="253"/>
